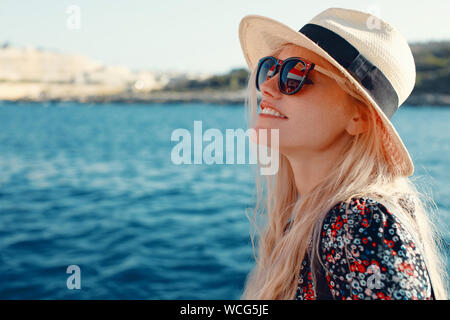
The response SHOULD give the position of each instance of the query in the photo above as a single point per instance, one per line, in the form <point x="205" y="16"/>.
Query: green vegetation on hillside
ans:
<point x="432" y="67"/>
<point x="234" y="80"/>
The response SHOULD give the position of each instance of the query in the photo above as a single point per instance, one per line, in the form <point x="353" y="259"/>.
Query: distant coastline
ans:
<point x="29" y="74"/>
<point x="210" y="96"/>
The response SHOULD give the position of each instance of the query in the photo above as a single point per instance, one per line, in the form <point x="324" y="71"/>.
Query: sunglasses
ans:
<point x="293" y="73"/>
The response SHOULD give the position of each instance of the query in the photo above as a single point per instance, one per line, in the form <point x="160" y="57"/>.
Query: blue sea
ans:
<point x="93" y="185"/>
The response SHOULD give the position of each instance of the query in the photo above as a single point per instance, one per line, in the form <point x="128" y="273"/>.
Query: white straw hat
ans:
<point x="370" y="53"/>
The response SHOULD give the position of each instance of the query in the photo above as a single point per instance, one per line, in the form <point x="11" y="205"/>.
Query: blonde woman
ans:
<point x="342" y="218"/>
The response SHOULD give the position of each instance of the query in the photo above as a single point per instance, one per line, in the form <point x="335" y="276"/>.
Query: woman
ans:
<point x="342" y="218"/>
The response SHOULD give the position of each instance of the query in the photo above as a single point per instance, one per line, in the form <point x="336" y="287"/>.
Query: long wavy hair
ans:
<point x="361" y="170"/>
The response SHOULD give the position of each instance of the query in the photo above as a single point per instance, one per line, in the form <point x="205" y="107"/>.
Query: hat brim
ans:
<point x="260" y="35"/>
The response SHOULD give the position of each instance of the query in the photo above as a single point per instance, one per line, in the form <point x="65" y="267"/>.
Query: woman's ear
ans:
<point x="359" y="120"/>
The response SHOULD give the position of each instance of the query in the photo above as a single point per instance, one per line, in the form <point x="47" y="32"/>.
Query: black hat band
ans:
<point x="369" y="76"/>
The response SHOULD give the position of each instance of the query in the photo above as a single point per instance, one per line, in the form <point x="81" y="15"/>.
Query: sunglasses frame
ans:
<point x="279" y="68"/>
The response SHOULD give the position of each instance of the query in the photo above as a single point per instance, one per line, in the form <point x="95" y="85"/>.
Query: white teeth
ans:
<point x="270" y="111"/>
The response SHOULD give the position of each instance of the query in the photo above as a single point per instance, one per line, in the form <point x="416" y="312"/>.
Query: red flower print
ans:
<point x="375" y="262"/>
<point x="357" y="266"/>
<point x="373" y="266"/>
<point x="406" y="267"/>
<point x="365" y="223"/>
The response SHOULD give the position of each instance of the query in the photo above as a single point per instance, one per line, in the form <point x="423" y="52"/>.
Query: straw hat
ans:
<point x="374" y="57"/>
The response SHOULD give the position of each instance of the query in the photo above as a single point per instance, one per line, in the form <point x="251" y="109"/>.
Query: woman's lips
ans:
<point x="269" y="111"/>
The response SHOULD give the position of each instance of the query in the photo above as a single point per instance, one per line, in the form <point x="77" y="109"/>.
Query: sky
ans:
<point x="186" y="35"/>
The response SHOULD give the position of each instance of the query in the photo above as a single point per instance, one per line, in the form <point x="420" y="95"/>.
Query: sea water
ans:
<point x="93" y="185"/>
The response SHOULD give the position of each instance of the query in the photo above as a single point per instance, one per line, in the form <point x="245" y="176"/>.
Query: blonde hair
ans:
<point x="361" y="171"/>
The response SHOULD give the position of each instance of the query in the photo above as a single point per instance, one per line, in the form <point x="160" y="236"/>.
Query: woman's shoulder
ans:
<point x="364" y="244"/>
<point x="361" y="212"/>
<point x="365" y="217"/>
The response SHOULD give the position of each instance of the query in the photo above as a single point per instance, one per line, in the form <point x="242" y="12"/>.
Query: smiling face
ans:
<point x="319" y="115"/>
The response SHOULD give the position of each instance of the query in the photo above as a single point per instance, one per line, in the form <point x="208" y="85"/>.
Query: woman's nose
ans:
<point x="270" y="86"/>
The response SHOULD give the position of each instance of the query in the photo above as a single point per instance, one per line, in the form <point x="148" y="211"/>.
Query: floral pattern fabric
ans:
<point x="368" y="254"/>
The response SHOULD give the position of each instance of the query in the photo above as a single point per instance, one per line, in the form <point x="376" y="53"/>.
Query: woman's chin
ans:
<point x="265" y="124"/>
<point x="264" y="135"/>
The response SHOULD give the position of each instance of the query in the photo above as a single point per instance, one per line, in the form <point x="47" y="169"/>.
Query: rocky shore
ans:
<point x="117" y="95"/>
<point x="428" y="99"/>
<point x="109" y="95"/>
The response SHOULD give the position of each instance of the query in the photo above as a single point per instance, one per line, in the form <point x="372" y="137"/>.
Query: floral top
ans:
<point x="368" y="254"/>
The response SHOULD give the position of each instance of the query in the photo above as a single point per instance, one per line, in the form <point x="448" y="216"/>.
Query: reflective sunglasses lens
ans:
<point x="266" y="71"/>
<point x="293" y="74"/>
